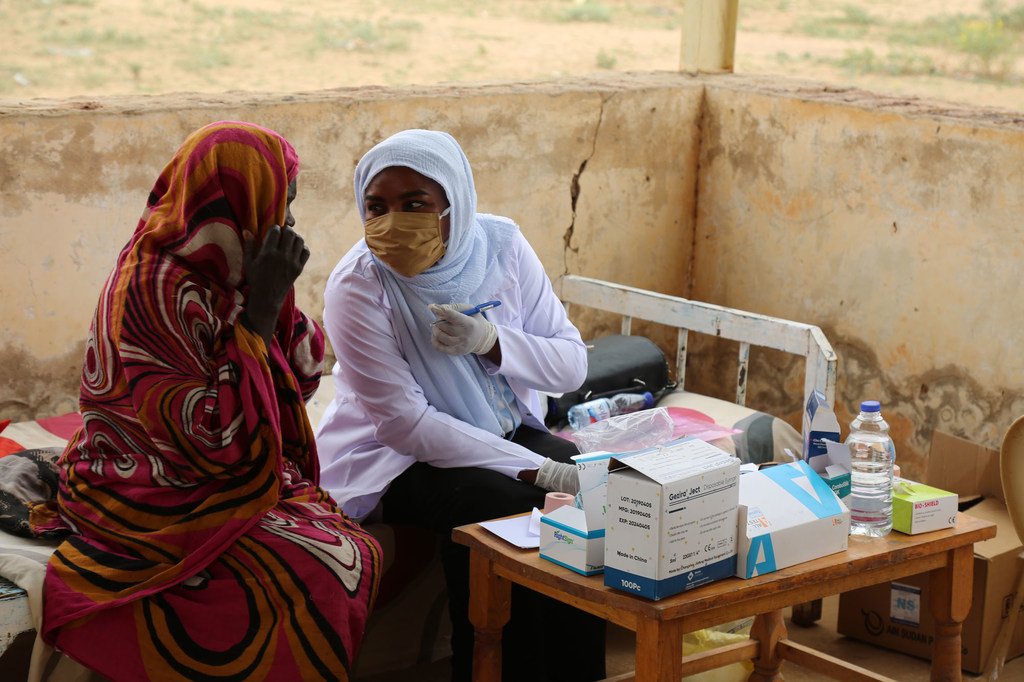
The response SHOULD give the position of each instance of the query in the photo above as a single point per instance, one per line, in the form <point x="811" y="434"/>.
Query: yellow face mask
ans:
<point x="408" y="242"/>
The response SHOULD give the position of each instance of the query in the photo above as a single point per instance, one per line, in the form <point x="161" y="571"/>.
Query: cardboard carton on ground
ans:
<point x="787" y="515"/>
<point x="897" y="615"/>
<point x="671" y="519"/>
<point x="574" y="537"/>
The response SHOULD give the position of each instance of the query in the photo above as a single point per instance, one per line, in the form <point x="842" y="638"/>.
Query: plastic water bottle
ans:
<point x="595" y="410"/>
<point x="872" y="455"/>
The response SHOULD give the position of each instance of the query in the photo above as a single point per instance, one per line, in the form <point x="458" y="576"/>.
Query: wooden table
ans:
<point x="660" y="625"/>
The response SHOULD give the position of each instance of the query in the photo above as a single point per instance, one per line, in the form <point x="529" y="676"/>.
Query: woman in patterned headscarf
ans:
<point x="202" y="546"/>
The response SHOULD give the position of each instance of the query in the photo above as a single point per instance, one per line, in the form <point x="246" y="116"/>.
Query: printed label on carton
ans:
<point x="919" y="508"/>
<point x="787" y="515"/>
<point x="671" y="519"/>
<point x="820" y="425"/>
<point x="905" y="604"/>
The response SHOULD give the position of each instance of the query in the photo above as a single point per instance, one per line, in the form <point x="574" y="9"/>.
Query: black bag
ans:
<point x="616" y="364"/>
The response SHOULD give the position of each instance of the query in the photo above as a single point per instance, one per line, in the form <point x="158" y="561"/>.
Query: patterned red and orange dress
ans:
<point x="201" y="545"/>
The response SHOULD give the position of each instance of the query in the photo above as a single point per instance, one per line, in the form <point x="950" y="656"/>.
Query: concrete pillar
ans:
<point x="709" y="36"/>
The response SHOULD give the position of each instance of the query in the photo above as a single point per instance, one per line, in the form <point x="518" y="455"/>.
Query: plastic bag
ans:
<point x="632" y="431"/>
<point x="713" y="638"/>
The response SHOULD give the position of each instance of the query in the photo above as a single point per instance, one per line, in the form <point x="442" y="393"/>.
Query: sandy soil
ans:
<point x="59" y="48"/>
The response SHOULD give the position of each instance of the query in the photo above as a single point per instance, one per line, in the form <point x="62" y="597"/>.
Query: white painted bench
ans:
<point x="749" y="329"/>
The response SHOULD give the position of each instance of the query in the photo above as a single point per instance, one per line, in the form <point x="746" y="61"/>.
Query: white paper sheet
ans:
<point x="521" y="531"/>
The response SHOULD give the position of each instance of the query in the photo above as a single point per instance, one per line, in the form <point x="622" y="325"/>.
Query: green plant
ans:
<point x="208" y="13"/>
<point x="364" y="35"/>
<point x="853" y="14"/>
<point x="859" y="61"/>
<point x="586" y="11"/>
<point x="408" y="25"/>
<point x="108" y="36"/>
<point x="605" y="60"/>
<point x="204" y="58"/>
<point x="261" y="18"/>
<point x="831" y="27"/>
<point x="895" y="63"/>
<point x="1014" y="19"/>
<point x="935" y="31"/>
<point x="899" y="63"/>
<point x="985" y="41"/>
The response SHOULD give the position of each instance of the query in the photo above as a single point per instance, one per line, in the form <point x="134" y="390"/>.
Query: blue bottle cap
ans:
<point x="648" y="400"/>
<point x="870" y="406"/>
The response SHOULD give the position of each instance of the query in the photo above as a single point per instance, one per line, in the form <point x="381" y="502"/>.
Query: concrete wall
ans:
<point x="895" y="226"/>
<point x="599" y="174"/>
<point x="892" y="224"/>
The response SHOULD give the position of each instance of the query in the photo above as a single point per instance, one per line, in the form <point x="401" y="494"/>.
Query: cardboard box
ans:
<point x="820" y="424"/>
<point x="671" y="519"/>
<point x="575" y="538"/>
<point x="834" y="467"/>
<point x="920" y="508"/>
<point x="787" y="515"/>
<point x="884" y="614"/>
<point x="566" y="540"/>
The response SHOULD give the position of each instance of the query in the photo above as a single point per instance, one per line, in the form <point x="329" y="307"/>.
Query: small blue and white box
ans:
<point x="566" y="540"/>
<point x="787" y="515"/>
<point x="671" y="518"/>
<point x="573" y="536"/>
<point x="820" y="425"/>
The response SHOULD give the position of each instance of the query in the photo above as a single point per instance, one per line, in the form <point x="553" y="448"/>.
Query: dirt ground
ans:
<point x="958" y="50"/>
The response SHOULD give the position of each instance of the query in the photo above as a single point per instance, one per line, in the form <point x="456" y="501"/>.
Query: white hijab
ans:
<point x="455" y="385"/>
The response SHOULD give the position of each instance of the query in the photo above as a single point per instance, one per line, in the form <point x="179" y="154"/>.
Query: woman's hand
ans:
<point x="556" y="476"/>
<point x="270" y="273"/>
<point x="457" y="334"/>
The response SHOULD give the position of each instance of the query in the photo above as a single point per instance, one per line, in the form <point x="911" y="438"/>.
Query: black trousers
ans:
<point x="544" y="639"/>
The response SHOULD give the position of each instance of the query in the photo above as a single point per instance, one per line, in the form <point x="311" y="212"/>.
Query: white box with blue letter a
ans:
<point x="788" y="515"/>
<point x="671" y="522"/>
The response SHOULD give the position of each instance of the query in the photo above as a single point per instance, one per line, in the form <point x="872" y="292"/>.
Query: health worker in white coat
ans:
<point x="436" y="421"/>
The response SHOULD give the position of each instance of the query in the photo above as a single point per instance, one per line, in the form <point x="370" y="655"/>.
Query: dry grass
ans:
<point x="952" y="49"/>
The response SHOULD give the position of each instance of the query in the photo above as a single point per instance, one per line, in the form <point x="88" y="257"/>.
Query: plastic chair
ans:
<point x="1011" y="471"/>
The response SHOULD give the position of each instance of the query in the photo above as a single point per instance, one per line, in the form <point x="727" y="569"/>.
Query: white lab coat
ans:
<point x="380" y="423"/>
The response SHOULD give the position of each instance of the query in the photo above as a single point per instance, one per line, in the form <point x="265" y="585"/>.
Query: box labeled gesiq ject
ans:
<point x="671" y="523"/>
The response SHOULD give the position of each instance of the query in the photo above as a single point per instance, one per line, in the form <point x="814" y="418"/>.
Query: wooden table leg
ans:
<point x="489" y="608"/>
<point x="659" y="651"/>
<point x="768" y="629"/>
<point x="951" y="588"/>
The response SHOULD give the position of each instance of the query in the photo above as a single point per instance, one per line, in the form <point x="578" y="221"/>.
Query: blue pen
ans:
<point x="477" y="309"/>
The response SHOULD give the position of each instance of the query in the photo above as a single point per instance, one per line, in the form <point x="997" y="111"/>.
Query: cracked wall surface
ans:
<point x="594" y="171"/>
<point x="892" y="224"/>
